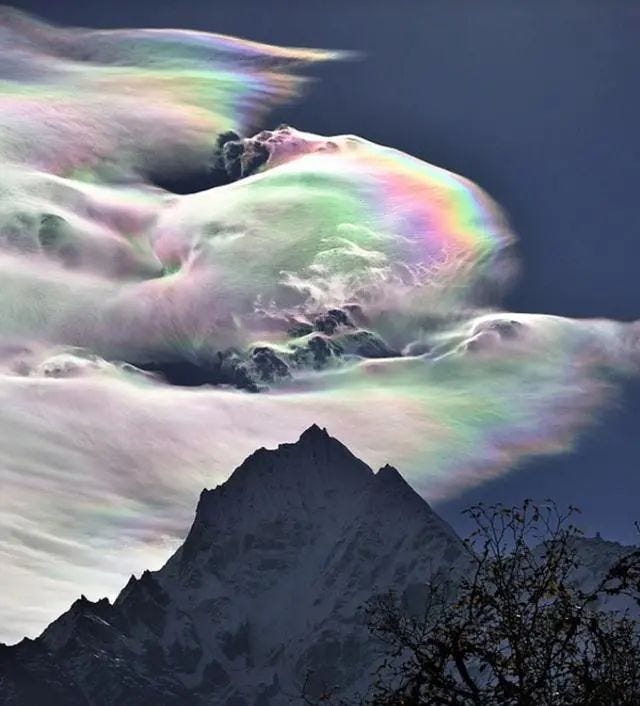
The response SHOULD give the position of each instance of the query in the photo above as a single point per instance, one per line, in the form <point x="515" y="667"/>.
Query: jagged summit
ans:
<point x="314" y="432"/>
<point x="268" y="584"/>
<point x="314" y="444"/>
<point x="388" y="472"/>
<point x="315" y="481"/>
<point x="302" y="472"/>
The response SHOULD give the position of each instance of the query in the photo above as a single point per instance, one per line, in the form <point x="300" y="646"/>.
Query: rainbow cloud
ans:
<point x="79" y="101"/>
<point x="351" y="284"/>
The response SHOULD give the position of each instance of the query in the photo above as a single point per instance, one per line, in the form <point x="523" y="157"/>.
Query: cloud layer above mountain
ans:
<point x="338" y="282"/>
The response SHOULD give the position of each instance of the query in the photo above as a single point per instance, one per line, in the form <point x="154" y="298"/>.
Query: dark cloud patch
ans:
<point x="331" y="339"/>
<point x="330" y="322"/>
<point x="316" y="352"/>
<point x="239" y="158"/>
<point x="222" y="369"/>
<point x="366" y="345"/>
<point x="233" y="158"/>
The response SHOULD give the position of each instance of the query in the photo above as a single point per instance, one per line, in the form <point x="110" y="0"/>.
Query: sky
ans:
<point x="537" y="104"/>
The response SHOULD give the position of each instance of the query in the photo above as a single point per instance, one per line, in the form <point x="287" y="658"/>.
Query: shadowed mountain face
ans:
<point x="266" y="587"/>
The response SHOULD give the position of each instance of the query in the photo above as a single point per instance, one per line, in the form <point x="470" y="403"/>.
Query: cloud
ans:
<point x="113" y="102"/>
<point x="101" y="472"/>
<point x="327" y="223"/>
<point x="372" y="277"/>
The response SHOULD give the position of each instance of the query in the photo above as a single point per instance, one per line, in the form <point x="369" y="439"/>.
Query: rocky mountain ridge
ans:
<point x="267" y="587"/>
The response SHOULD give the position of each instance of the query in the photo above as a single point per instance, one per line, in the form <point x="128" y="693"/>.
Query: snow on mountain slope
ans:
<point x="267" y="586"/>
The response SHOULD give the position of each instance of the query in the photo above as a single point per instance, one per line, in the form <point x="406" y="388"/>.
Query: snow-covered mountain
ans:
<point x="267" y="586"/>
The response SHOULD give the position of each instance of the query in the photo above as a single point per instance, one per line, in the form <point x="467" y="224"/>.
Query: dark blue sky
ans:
<point x="539" y="103"/>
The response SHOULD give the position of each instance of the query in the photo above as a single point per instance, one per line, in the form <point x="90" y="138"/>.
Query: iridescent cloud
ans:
<point x="102" y="462"/>
<point x="113" y="102"/>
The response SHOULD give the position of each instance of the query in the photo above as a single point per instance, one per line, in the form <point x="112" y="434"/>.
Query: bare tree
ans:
<point x="514" y="629"/>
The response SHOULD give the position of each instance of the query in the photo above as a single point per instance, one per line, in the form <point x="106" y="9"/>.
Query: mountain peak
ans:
<point x="293" y="478"/>
<point x="315" y="451"/>
<point x="390" y="477"/>
<point x="388" y="471"/>
<point x="267" y="586"/>
<point x="315" y="433"/>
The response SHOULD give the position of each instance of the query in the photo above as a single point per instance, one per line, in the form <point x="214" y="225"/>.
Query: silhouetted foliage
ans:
<point x="512" y="626"/>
